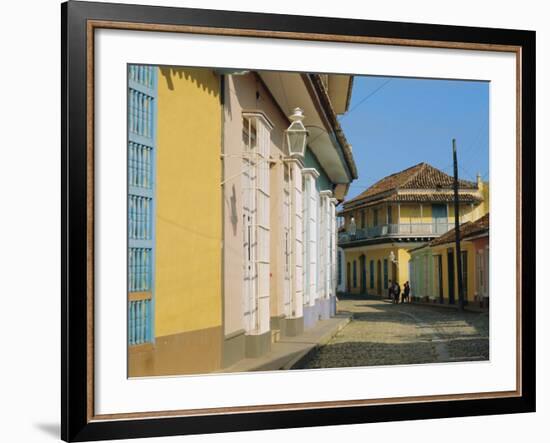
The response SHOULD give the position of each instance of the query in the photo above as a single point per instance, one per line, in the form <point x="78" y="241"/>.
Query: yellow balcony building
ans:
<point x="400" y="212"/>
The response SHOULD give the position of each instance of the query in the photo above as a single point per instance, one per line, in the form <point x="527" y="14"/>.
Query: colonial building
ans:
<point x="231" y="220"/>
<point x="433" y="269"/>
<point x="400" y="212"/>
<point x="174" y="220"/>
<point x="279" y="248"/>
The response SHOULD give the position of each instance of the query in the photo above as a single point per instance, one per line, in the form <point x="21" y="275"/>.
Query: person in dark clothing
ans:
<point x="406" y="292"/>
<point x="397" y="292"/>
<point x="390" y="290"/>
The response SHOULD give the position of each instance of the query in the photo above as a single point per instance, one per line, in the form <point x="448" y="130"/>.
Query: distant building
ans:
<point x="433" y="266"/>
<point x="400" y="212"/>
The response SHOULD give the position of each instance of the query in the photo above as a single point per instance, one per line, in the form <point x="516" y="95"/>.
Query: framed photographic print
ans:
<point x="276" y="221"/>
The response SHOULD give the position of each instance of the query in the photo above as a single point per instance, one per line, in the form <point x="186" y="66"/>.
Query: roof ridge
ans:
<point x="422" y="167"/>
<point x="396" y="173"/>
<point x="422" y="175"/>
<point x="358" y="197"/>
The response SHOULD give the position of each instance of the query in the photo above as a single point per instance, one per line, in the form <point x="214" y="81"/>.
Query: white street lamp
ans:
<point x="395" y="261"/>
<point x="296" y="134"/>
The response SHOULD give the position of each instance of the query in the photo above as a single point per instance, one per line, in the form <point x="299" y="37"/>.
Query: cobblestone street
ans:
<point x="382" y="333"/>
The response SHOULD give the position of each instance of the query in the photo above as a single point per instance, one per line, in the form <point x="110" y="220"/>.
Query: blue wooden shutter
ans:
<point x="142" y="106"/>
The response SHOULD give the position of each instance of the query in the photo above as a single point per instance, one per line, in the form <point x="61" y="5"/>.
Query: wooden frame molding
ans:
<point x="80" y="21"/>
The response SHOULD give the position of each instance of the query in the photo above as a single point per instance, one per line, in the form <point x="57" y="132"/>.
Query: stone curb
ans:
<point x="303" y="357"/>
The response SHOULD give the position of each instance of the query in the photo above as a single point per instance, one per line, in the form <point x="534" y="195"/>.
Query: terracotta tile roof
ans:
<point x="415" y="198"/>
<point x="433" y="197"/>
<point x="420" y="176"/>
<point x="468" y="229"/>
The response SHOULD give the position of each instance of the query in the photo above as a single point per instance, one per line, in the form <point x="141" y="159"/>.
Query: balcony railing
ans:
<point x="396" y="230"/>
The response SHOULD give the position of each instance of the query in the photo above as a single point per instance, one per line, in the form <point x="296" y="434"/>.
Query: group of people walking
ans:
<point x="394" y="292"/>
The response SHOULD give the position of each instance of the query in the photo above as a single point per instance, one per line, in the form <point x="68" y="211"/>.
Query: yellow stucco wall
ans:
<point x="404" y="257"/>
<point x="377" y="254"/>
<point x="188" y="213"/>
<point x="483" y="208"/>
<point x="411" y="212"/>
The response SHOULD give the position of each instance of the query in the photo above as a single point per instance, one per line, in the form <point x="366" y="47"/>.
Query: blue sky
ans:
<point x="394" y="123"/>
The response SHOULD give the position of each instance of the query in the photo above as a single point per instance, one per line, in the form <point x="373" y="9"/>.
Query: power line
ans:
<point x="366" y="98"/>
<point x="468" y="173"/>
<point x="466" y="155"/>
<point x="355" y="107"/>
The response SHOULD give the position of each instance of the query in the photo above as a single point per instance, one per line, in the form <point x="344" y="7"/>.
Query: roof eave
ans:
<point x="343" y="145"/>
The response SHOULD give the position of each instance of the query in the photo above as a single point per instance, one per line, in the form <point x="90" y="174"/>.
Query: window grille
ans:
<point x="141" y="204"/>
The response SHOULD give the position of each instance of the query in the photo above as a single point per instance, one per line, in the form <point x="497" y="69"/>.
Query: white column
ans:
<point x="333" y="248"/>
<point x="326" y="244"/>
<point x="297" y="247"/>
<point x="259" y="309"/>
<point x="321" y="245"/>
<point x="310" y="235"/>
<point x="399" y="218"/>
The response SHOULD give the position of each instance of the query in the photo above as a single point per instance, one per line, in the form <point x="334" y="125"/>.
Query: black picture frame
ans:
<point x="76" y="422"/>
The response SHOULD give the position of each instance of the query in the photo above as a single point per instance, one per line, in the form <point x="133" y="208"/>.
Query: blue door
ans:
<point x="439" y="219"/>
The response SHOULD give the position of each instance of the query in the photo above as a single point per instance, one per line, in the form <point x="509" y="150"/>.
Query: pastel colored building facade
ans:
<point x="174" y="230"/>
<point x="399" y="213"/>
<point x="231" y="237"/>
<point x="433" y="267"/>
<point x="279" y="208"/>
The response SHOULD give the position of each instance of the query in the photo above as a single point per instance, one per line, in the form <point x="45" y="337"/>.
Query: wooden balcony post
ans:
<point x="399" y="217"/>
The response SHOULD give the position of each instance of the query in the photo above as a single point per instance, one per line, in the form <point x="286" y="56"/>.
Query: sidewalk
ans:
<point x="286" y="352"/>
